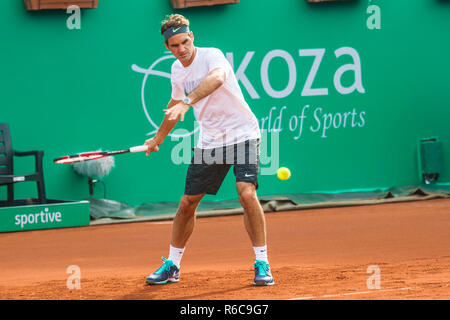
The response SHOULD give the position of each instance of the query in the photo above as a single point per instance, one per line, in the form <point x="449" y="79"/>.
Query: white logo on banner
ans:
<point x="273" y="122"/>
<point x="148" y="72"/>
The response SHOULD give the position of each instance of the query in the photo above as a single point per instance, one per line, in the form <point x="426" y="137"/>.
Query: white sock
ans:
<point x="261" y="253"/>
<point x="175" y="255"/>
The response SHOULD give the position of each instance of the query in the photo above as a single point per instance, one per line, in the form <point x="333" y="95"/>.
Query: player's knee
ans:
<point x="248" y="196"/>
<point x="188" y="205"/>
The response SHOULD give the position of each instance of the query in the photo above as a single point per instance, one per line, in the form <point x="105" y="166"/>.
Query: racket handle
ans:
<point x="142" y="148"/>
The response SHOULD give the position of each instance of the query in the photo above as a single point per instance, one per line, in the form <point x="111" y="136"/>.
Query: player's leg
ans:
<point x="254" y="220"/>
<point x="246" y="169"/>
<point x="246" y="173"/>
<point x="182" y="227"/>
<point x="184" y="221"/>
<point x="201" y="179"/>
<point x="255" y="224"/>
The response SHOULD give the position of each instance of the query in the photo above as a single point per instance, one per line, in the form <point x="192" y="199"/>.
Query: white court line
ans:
<point x="348" y="294"/>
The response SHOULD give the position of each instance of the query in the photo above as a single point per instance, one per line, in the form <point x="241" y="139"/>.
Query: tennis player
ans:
<point x="203" y="79"/>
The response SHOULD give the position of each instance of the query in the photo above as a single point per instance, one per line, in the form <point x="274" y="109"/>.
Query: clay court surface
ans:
<point x="314" y="254"/>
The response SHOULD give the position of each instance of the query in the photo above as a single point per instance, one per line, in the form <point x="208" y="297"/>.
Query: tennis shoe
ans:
<point x="168" y="272"/>
<point x="263" y="276"/>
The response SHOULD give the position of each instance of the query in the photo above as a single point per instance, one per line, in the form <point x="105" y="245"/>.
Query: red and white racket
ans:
<point x="84" y="156"/>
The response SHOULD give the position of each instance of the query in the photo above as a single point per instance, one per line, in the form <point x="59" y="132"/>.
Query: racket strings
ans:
<point x="79" y="158"/>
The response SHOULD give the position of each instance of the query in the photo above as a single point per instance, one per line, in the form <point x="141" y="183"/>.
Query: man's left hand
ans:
<point x="177" y="111"/>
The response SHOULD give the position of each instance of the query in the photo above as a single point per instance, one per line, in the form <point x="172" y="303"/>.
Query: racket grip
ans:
<point x="142" y="148"/>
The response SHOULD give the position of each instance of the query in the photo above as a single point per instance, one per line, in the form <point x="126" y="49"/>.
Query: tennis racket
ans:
<point x="84" y="156"/>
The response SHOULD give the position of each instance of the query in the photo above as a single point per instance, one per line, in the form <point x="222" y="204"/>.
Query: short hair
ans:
<point x="174" y="20"/>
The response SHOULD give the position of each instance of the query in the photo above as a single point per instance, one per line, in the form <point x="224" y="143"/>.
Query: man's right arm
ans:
<point x="163" y="131"/>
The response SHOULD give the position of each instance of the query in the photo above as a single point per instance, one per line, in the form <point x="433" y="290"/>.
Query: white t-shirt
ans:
<point x="224" y="116"/>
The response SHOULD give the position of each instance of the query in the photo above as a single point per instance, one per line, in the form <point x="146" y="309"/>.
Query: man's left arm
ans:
<point x="211" y="83"/>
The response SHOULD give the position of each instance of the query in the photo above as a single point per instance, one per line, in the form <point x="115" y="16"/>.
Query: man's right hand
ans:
<point x="152" y="145"/>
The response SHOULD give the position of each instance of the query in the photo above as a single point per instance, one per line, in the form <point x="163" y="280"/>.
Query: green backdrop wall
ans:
<point x="347" y="89"/>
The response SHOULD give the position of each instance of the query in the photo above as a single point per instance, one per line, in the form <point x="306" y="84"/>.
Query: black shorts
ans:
<point x="209" y="167"/>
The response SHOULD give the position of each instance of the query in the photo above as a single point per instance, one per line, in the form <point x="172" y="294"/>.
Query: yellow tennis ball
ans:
<point x="283" y="173"/>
